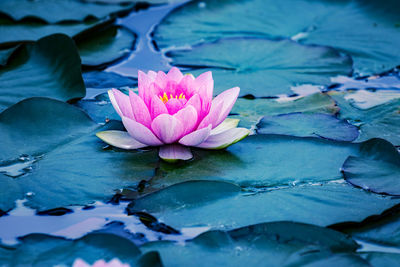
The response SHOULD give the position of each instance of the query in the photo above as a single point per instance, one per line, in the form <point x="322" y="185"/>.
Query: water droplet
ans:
<point x="18" y="168"/>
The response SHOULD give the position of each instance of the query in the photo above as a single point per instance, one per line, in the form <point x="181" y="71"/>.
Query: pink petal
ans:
<point x="140" y="132"/>
<point x="197" y="137"/>
<point x="224" y="139"/>
<point x="205" y="86"/>
<point x="195" y="101"/>
<point x="80" y="263"/>
<point x="175" y="152"/>
<point x="175" y="74"/>
<point x="161" y="79"/>
<point x="121" y="103"/>
<point x="173" y="105"/>
<point x="120" y="139"/>
<point x="157" y="107"/>
<point x="152" y="75"/>
<point x="144" y="82"/>
<point x="212" y="116"/>
<point x="186" y="85"/>
<point x="167" y="128"/>
<point x="188" y="117"/>
<point x="140" y="110"/>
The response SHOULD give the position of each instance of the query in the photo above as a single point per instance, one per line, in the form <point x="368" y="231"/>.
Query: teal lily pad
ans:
<point x="375" y="169"/>
<point x="308" y="125"/>
<point x="50" y="68"/>
<point x="5" y="54"/>
<point x="268" y="244"/>
<point x="267" y="161"/>
<point x="43" y="250"/>
<point x="320" y="22"/>
<point x="319" y="204"/>
<point x="263" y="67"/>
<point x="382" y="121"/>
<point x="250" y="111"/>
<point x="60" y="10"/>
<point x="105" y="46"/>
<point x="102" y="79"/>
<point x="381" y="259"/>
<point x="67" y="162"/>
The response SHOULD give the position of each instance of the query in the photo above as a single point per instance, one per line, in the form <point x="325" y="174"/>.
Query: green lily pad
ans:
<point x="263" y="67"/>
<point x="44" y="250"/>
<point x="50" y="68"/>
<point x="382" y="121"/>
<point x="250" y="111"/>
<point x="67" y="162"/>
<point x="5" y="54"/>
<point x="375" y="169"/>
<point x="268" y="244"/>
<point x="320" y="22"/>
<point x="105" y="45"/>
<point x="322" y="205"/>
<point x="261" y="161"/>
<point x="308" y="125"/>
<point x="53" y="11"/>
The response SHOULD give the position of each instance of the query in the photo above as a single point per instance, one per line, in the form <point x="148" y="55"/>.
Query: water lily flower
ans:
<point x="99" y="263"/>
<point x="174" y="112"/>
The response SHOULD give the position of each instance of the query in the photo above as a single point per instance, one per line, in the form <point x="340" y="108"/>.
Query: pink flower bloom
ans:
<point x="174" y="111"/>
<point x="99" y="263"/>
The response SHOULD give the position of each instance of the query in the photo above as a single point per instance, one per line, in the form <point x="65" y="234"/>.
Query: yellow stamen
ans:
<point x="164" y="98"/>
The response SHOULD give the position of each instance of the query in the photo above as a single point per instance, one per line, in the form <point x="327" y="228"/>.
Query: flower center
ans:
<point x="164" y="98"/>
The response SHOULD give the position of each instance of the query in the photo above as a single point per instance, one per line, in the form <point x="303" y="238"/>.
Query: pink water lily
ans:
<point x="175" y="112"/>
<point x="99" y="263"/>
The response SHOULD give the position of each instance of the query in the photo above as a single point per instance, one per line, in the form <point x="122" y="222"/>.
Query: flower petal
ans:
<point x="144" y="82"/>
<point x="173" y="105"/>
<point x="121" y="103"/>
<point x="197" y="137"/>
<point x="140" y="111"/>
<point x="175" y="152"/>
<point x="157" y="107"/>
<point x="224" y="139"/>
<point x="205" y="86"/>
<point x="161" y="79"/>
<point x="188" y="117"/>
<point x="167" y="128"/>
<point x="195" y="101"/>
<point x="227" y="124"/>
<point x="228" y="98"/>
<point x="212" y="116"/>
<point x="140" y="132"/>
<point x="186" y="85"/>
<point x="120" y="139"/>
<point x="175" y="74"/>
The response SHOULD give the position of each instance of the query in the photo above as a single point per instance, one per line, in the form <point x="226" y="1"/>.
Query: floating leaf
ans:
<point x="320" y="22"/>
<point x="381" y="259"/>
<point x="308" y="125"/>
<point x="263" y="67"/>
<point x="56" y="11"/>
<point x="44" y="250"/>
<point x="50" y="68"/>
<point x="105" y="46"/>
<point x="5" y="54"/>
<point x="377" y="168"/>
<point x="268" y="244"/>
<point x="321" y="205"/>
<point x="102" y="79"/>
<point x="69" y="165"/>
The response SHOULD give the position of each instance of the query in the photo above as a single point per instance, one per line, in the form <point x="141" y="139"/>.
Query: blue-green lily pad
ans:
<point x="320" y="22"/>
<point x="268" y="244"/>
<point x="102" y="79"/>
<point x="319" y="204"/>
<point x="308" y="125"/>
<point x="49" y="68"/>
<point x="381" y="259"/>
<point x="5" y="54"/>
<point x="43" y="250"/>
<point x="263" y="67"/>
<point x="53" y="11"/>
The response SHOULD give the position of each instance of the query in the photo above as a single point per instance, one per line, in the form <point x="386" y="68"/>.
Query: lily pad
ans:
<point x="250" y="111"/>
<point x="44" y="250"/>
<point x="308" y="125"/>
<point x="102" y="79"/>
<point x="381" y="259"/>
<point x="53" y="11"/>
<point x="261" y="161"/>
<point x="50" y="68"/>
<point x="263" y="67"/>
<point x="375" y="169"/>
<point x="320" y="22"/>
<point x="381" y="121"/>
<point x="268" y="244"/>
<point x="5" y="54"/>
<point x="105" y="46"/>
<point x="69" y="165"/>
<point x="321" y="204"/>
